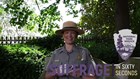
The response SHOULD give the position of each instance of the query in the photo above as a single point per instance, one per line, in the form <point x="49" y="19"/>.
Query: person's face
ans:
<point x="69" y="36"/>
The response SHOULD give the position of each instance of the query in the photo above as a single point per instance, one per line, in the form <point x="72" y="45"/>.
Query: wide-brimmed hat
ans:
<point x="69" y="25"/>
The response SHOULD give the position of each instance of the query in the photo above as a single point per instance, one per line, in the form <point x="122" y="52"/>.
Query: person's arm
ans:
<point x="48" y="71"/>
<point x="77" y="74"/>
<point x="90" y="61"/>
<point x="49" y="76"/>
<point x="88" y="77"/>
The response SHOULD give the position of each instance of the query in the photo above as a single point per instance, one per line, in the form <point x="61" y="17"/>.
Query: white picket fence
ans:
<point x="15" y="40"/>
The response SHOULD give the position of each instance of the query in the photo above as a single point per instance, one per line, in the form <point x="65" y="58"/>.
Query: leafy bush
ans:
<point x="50" y="42"/>
<point x="21" y="61"/>
<point x="26" y="61"/>
<point x="103" y="50"/>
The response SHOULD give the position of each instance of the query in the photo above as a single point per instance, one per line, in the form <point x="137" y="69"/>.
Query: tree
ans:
<point x="98" y="17"/>
<point x="104" y="17"/>
<point x="23" y="16"/>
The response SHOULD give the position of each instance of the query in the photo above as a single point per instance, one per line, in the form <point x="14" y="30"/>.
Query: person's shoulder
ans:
<point x="82" y="48"/>
<point x="57" y="50"/>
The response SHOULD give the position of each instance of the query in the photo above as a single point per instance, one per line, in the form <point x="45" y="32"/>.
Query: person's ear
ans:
<point x="76" y="36"/>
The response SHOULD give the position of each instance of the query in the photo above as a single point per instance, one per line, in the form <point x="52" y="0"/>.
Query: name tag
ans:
<point x="56" y="60"/>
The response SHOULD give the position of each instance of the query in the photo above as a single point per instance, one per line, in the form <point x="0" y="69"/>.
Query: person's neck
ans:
<point x="69" y="47"/>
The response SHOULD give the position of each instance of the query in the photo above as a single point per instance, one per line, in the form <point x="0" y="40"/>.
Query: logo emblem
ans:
<point x="125" y="43"/>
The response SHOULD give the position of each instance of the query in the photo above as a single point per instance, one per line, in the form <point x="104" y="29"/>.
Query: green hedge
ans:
<point x="50" y="42"/>
<point x="26" y="61"/>
<point x="21" y="61"/>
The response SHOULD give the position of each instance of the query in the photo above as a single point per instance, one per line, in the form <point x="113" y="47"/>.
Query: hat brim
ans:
<point x="60" y="32"/>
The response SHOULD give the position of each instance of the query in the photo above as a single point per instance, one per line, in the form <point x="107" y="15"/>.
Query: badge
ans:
<point x="125" y="43"/>
<point x="79" y="57"/>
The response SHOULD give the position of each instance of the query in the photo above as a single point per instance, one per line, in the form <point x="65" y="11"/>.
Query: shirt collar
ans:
<point x="64" y="49"/>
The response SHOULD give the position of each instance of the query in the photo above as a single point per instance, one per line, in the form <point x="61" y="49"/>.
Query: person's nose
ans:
<point x="70" y="34"/>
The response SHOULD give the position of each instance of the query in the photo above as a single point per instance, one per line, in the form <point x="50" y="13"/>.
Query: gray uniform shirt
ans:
<point x="79" y="55"/>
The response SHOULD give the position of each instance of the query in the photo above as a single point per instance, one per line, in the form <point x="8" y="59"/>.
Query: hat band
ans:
<point x="69" y="27"/>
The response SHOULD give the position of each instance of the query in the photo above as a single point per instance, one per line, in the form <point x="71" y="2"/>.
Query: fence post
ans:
<point x="6" y="40"/>
<point x="22" y="40"/>
<point x="11" y="40"/>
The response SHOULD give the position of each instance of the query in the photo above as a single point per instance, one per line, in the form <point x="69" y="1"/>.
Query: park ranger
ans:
<point x="67" y="59"/>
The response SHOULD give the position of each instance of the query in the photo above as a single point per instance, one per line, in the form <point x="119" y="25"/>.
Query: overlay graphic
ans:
<point x="125" y="43"/>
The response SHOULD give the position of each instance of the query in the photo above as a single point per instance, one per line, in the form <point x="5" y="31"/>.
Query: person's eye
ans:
<point x="67" y="32"/>
<point x="73" y="33"/>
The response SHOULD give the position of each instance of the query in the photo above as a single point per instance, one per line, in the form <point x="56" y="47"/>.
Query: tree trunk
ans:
<point x="122" y="15"/>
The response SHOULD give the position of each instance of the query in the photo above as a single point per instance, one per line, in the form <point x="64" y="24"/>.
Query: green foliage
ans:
<point x="0" y="29"/>
<point x="50" y="42"/>
<point x="47" y="19"/>
<point x="20" y="13"/>
<point x="98" y="17"/>
<point x="26" y="61"/>
<point x="134" y="9"/>
<point x="1" y="10"/>
<point x="23" y="16"/>
<point x="71" y="5"/>
<point x="1" y="17"/>
<point x="21" y="61"/>
<point x="103" y="50"/>
<point x="44" y="1"/>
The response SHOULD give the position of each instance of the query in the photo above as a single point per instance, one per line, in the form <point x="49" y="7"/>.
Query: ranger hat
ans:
<point x="69" y="25"/>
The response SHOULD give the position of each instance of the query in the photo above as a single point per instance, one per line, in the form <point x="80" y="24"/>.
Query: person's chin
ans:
<point x="70" y="43"/>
